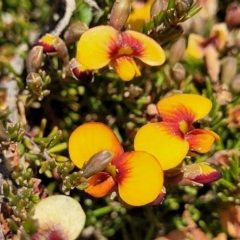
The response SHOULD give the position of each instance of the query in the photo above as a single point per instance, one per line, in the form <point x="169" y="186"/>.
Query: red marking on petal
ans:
<point x="178" y="114"/>
<point x="125" y="45"/>
<point x="208" y="178"/>
<point x="47" y="48"/>
<point x="201" y="140"/>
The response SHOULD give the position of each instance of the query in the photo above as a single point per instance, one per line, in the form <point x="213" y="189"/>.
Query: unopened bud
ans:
<point x="182" y="7"/>
<point x="235" y="84"/>
<point x="53" y="46"/>
<point x="119" y="14"/>
<point x="97" y="163"/>
<point x="34" y="83"/>
<point x="76" y="70"/>
<point x="74" y="32"/>
<point x="157" y="7"/>
<point x="229" y="69"/>
<point x="178" y="72"/>
<point x="232" y="15"/>
<point x="34" y="59"/>
<point x="177" y="51"/>
<point x="201" y="173"/>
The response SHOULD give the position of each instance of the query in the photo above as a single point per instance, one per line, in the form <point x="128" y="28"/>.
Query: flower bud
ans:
<point x="182" y="7"/>
<point x="235" y="84"/>
<point x="157" y="7"/>
<point x="229" y="69"/>
<point x="178" y="72"/>
<point x="97" y="163"/>
<point x="177" y="51"/>
<point x="76" y="70"/>
<point x="119" y="14"/>
<point x="34" y="83"/>
<point x="34" y="59"/>
<point x="53" y="46"/>
<point x="232" y="15"/>
<point x="74" y="32"/>
<point x="201" y="173"/>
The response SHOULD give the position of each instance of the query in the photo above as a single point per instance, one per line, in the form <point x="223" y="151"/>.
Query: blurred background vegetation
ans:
<point x="44" y="120"/>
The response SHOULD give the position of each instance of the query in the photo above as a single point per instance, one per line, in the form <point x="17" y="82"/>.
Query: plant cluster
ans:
<point x="119" y="119"/>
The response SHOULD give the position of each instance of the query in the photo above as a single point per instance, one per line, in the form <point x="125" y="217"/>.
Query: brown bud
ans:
<point x="232" y="15"/>
<point x="157" y="7"/>
<point x="235" y="84"/>
<point x="177" y="51"/>
<point x="119" y="14"/>
<point x="74" y="32"/>
<point x="178" y="72"/>
<point x="97" y="163"/>
<point x="34" y="59"/>
<point x="182" y="7"/>
<point x="34" y="83"/>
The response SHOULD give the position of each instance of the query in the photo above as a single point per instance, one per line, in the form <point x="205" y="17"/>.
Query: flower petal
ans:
<point x="195" y="46"/>
<point x="150" y="52"/>
<point x="188" y="107"/>
<point x="91" y="138"/>
<point x="93" y="46"/>
<point x="126" y="68"/>
<point x="201" y="140"/>
<point x="140" y="178"/>
<point x="100" y="185"/>
<point x="164" y="141"/>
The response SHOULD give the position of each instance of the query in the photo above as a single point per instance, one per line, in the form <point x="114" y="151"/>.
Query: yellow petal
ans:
<point x="220" y="31"/>
<point x="201" y="140"/>
<point x="141" y="178"/>
<point x="93" y="46"/>
<point x="188" y="107"/>
<point x="126" y="68"/>
<point x="148" y="51"/>
<point x="195" y="48"/>
<point x="91" y="138"/>
<point x="100" y="185"/>
<point x="164" y="141"/>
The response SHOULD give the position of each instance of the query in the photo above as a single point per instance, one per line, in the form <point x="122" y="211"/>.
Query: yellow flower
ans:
<point x="170" y="140"/>
<point x="136" y="175"/>
<point x="104" y="45"/>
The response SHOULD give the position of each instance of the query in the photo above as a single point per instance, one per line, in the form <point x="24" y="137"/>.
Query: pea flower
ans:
<point x="103" y="45"/>
<point x="198" y="46"/>
<point x="136" y="175"/>
<point x="170" y="140"/>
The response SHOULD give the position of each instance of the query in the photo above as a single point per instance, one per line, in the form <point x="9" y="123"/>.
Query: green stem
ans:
<point x="102" y="211"/>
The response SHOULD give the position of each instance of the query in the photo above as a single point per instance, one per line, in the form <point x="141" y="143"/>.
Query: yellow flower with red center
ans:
<point x="104" y="45"/>
<point x="198" y="45"/>
<point x="170" y="140"/>
<point x="136" y="175"/>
